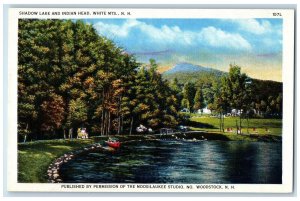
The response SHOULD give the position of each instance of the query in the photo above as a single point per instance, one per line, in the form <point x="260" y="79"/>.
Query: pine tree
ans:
<point x="189" y="94"/>
<point x="77" y="78"/>
<point x="198" y="100"/>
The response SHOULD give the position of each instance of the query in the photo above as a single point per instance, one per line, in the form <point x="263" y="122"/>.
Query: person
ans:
<point x="84" y="133"/>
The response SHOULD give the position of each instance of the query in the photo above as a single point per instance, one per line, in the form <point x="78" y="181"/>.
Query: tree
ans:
<point x="152" y="68"/>
<point x="149" y="100"/>
<point x="263" y="106"/>
<point x="198" y="100"/>
<point x="189" y="94"/>
<point x="221" y="100"/>
<point x="77" y="114"/>
<point x="52" y="113"/>
<point x="38" y="73"/>
<point x="177" y="90"/>
<point x="185" y="103"/>
<point x="26" y="110"/>
<point x="279" y="104"/>
<point x="77" y="77"/>
<point x="237" y="90"/>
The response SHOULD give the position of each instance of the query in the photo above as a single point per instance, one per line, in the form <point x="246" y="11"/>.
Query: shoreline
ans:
<point x="53" y="169"/>
<point x="32" y="154"/>
<point x="200" y="135"/>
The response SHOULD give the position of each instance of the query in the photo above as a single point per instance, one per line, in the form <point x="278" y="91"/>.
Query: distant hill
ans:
<point x="188" y="68"/>
<point x="186" y="72"/>
<point x="189" y="72"/>
<point x="266" y="88"/>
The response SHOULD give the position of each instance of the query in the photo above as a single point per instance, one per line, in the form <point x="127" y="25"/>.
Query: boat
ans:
<point x="113" y="142"/>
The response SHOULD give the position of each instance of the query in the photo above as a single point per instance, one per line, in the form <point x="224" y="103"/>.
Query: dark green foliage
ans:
<point x="70" y="77"/>
<point x="223" y="92"/>
<point x="265" y="95"/>
<point x="198" y="100"/>
<point x="201" y="77"/>
<point x="267" y="98"/>
<point x="188" y="93"/>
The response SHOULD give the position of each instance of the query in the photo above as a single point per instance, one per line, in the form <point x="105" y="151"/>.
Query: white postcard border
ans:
<point x="288" y="96"/>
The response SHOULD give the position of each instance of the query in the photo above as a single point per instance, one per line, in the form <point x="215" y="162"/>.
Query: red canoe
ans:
<point x="113" y="143"/>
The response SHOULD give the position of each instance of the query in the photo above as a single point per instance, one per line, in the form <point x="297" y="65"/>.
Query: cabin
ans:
<point x="236" y="112"/>
<point x="204" y="111"/>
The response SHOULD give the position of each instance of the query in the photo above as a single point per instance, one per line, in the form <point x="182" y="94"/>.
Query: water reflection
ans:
<point x="179" y="162"/>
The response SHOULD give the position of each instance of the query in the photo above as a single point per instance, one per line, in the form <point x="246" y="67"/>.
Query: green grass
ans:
<point x="35" y="157"/>
<point x="273" y="126"/>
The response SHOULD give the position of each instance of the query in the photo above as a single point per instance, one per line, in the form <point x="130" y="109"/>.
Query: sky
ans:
<point x="253" y="44"/>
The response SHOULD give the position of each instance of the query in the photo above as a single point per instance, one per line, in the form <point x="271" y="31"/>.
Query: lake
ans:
<point x="169" y="161"/>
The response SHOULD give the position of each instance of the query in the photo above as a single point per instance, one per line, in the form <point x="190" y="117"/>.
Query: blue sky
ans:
<point x="254" y="44"/>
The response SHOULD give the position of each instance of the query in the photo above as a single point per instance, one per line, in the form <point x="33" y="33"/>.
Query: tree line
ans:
<point x="70" y="77"/>
<point x="265" y="96"/>
<point x="233" y="91"/>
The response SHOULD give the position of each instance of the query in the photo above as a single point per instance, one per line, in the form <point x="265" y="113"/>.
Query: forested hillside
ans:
<point x="70" y="77"/>
<point x="203" y="86"/>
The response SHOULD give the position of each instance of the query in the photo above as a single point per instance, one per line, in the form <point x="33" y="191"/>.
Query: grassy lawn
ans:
<point x="262" y="126"/>
<point x="35" y="157"/>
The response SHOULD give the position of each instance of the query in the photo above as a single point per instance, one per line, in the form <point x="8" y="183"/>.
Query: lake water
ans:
<point x="180" y="162"/>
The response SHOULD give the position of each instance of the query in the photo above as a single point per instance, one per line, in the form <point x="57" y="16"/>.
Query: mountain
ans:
<point x="188" y="68"/>
<point x="188" y="72"/>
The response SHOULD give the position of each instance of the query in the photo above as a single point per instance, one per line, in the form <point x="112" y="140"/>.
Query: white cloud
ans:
<point x="116" y="30"/>
<point x="166" y="34"/>
<point x="253" y="26"/>
<point x="270" y="42"/>
<point x="219" y="38"/>
<point x="174" y="35"/>
<point x="163" y="34"/>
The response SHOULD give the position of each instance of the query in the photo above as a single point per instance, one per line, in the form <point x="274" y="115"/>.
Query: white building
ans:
<point x="204" y="111"/>
<point x="236" y="112"/>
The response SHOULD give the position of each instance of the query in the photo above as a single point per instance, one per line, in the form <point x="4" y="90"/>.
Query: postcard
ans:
<point x="150" y="100"/>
